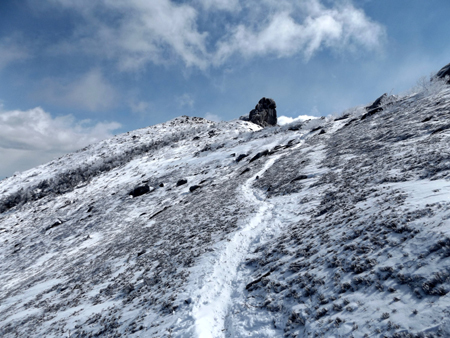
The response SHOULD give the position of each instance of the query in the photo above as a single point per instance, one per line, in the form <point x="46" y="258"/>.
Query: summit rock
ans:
<point x="265" y="113"/>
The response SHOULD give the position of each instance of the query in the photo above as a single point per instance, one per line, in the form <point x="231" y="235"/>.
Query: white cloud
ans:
<point x="342" y="27"/>
<point x="162" y="31"/>
<point x="90" y="91"/>
<point x="213" y="117"/>
<point x="32" y="137"/>
<point x="282" y="120"/>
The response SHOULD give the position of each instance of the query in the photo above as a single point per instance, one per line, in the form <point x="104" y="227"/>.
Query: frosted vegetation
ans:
<point x="333" y="227"/>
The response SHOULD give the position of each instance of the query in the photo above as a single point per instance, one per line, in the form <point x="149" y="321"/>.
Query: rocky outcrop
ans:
<point x="376" y="105"/>
<point x="444" y="73"/>
<point x="264" y="114"/>
<point x="379" y="105"/>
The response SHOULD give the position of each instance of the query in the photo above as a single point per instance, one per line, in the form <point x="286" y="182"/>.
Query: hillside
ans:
<point x="336" y="227"/>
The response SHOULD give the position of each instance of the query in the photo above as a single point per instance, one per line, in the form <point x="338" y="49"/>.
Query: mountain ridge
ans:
<point x="334" y="227"/>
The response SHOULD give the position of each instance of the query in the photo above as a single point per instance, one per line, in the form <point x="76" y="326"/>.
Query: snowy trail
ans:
<point x="214" y="300"/>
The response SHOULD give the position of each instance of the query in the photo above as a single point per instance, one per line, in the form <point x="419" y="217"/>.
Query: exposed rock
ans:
<point x="296" y="127"/>
<point x="444" y="73"/>
<point x="193" y="188"/>
<point x="377" y="105"/>
<point x="181" y="182"/>
<point x="240" y="157"/>
<point x="301" y="177"/>
<point x="258" y="155"/>
<point x="141" y="190"/>
<point x="265" y="113"/>
<point x="343" y="117"/>
<point x="158" y="212"/>
<point x="54" y="225"/>
<point x="245" y="171"/>
<point x="249" y="285"/>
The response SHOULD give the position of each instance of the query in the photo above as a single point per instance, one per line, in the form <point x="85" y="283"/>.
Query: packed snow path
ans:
<point x="224" y="288"/>
<point x="214" y="299"/>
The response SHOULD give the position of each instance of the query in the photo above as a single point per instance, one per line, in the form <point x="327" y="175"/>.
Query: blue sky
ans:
<point x="74" y="72"/>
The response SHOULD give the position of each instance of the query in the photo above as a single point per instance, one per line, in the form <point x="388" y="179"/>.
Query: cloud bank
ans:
<point x="29" y="138"/>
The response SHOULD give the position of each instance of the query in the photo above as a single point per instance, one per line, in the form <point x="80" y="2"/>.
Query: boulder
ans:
<point x="193" y="188"/>
<point x="265" y="113"/>
<point x="181" y="182"/>
<point x="444" y="73"/>
<point x="141" y="190"/>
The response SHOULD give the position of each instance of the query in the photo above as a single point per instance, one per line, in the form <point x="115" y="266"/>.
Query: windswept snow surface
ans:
<point x="327" y="228"/>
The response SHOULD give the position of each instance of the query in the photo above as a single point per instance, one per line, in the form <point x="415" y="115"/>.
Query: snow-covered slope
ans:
<point x="336" y="227"/>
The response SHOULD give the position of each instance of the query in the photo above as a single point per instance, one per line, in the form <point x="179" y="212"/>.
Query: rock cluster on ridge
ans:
<point x="264" y="114"/>
<point x="377" y="103"/>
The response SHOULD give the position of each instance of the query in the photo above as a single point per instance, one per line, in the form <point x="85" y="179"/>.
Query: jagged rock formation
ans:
<point x="444" y="73"/>
<point x="379" y="104"/>
<point x="264" y="114"/>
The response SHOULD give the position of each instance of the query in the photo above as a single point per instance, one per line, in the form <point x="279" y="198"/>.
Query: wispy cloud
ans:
<point x="213" y="117"/>
<point x="163" y="31"/>
<point x="303" y="30"/>
<point x="140" y="107"/>
<point x="90" y="91"/>
<point x="11" y="51"/>
<point x="141" y="32"/>
<point x="185" y="101"/>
